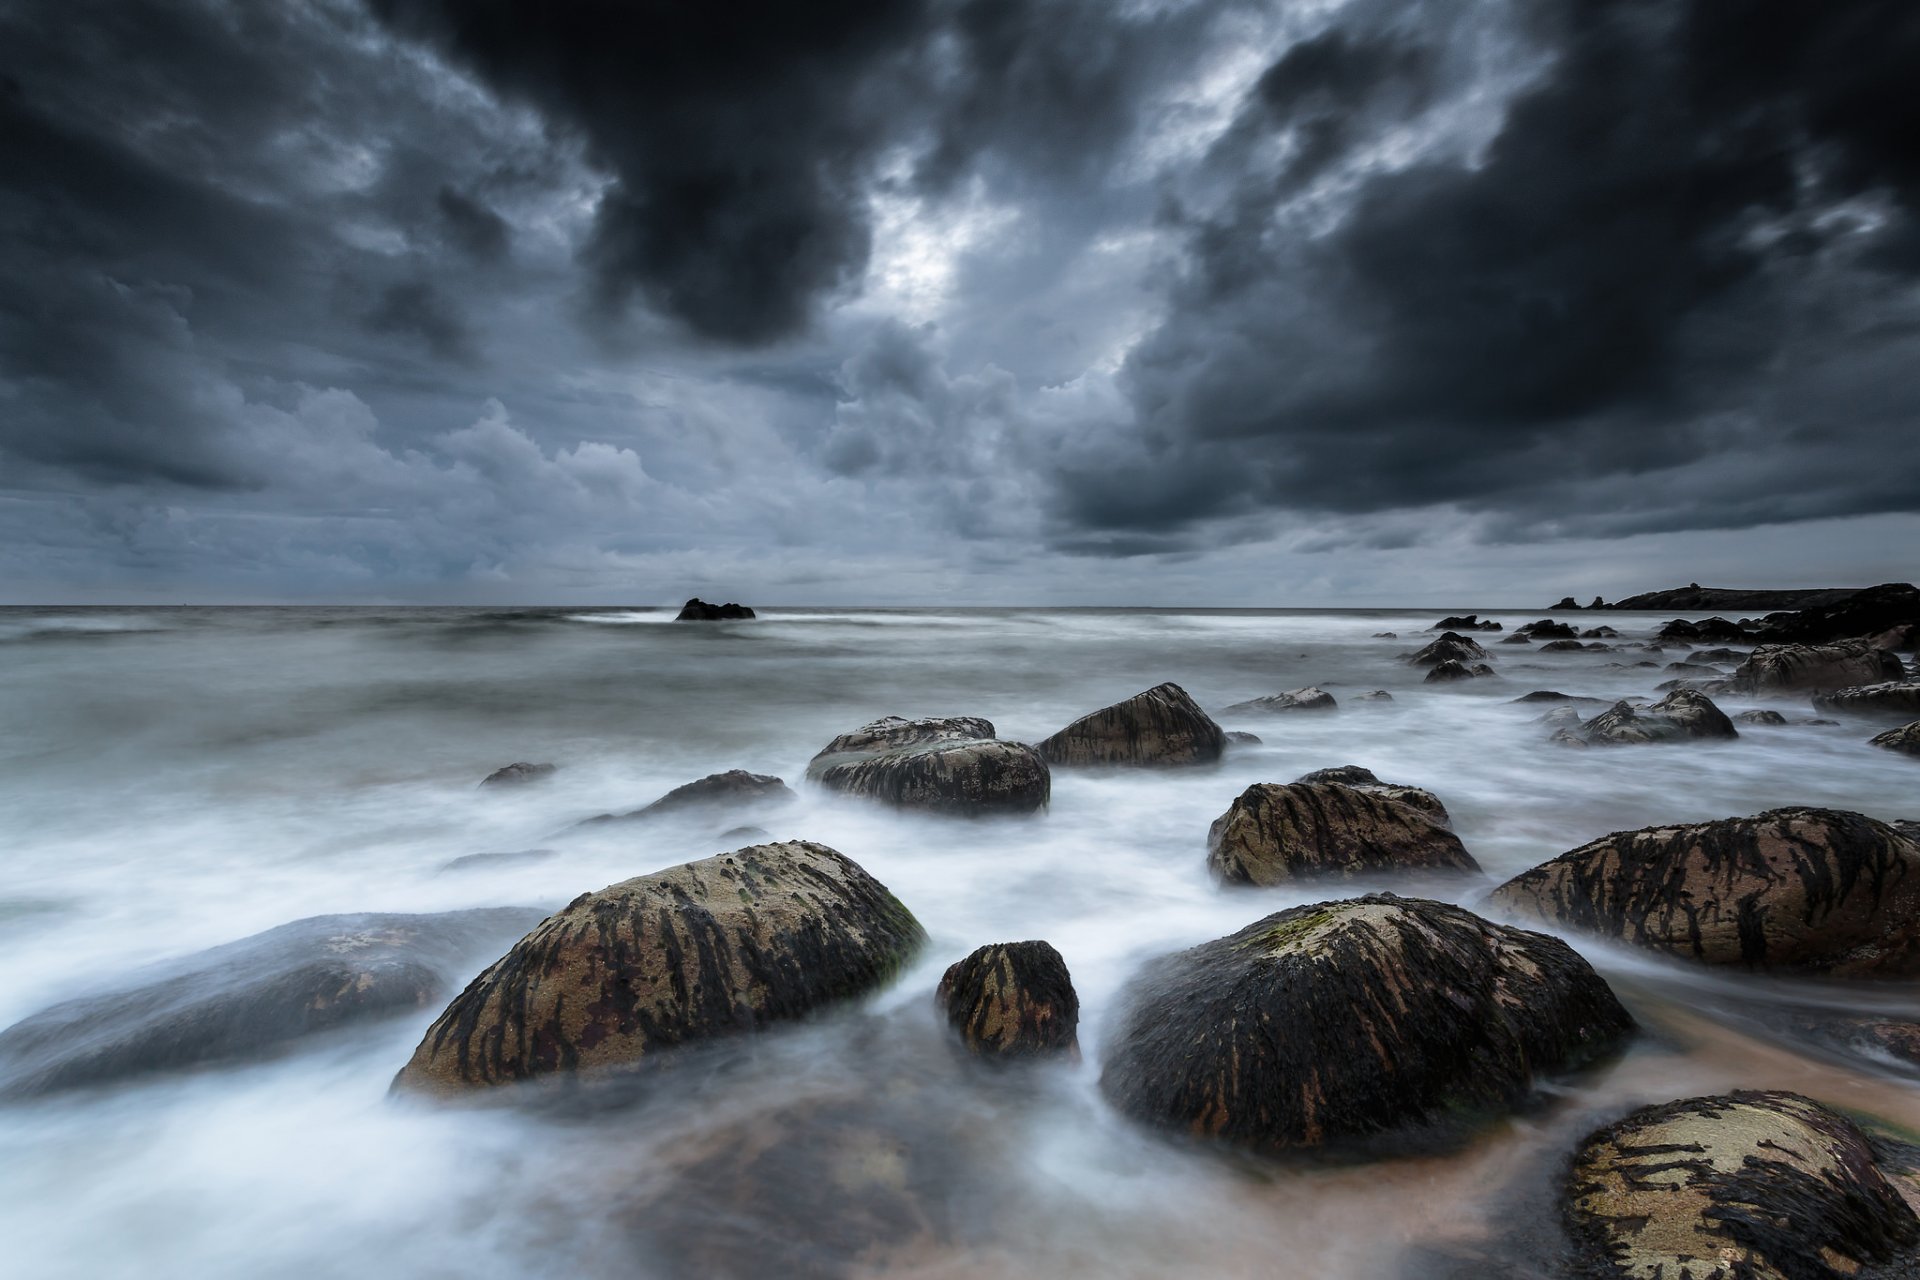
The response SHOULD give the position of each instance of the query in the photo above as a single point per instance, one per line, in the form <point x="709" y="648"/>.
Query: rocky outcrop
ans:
<point x="1682" y="715"/>
<point x="726" y="945"/>
<point x="1364" y="1024"/>
<point x="1554" y="695"/>
<point x="1163" y="727"/>
<point x="1890" y="607"/>
<point x="1772" y="1186"/>
<point x="1760" y="717"/>
<point x="1711" y="631"/>
<point x="1274" y="834"/>
<point x="1516" y="638"/>
<point x="1890" y="698"/>
<point x="1808" y="890"/>
<point x="1566" y="602"/>
<point x="1548" y="629"/>
<point x="735" y="793"/>
<point x="1308" y="699"/>
<point x="1906" y="738"/>
<point x="1452" y="669"/>
<point x="1450" y="647"/>
<point x="518" y="774"/>
<point x="250" y="999"/>
<point x="1803" y="668"/>
<point x="1469" y="622"/>
<point x="1352" y="775"/>
<point x="1694" y="598"/>
<point x="1734" y="656"/>
<point x="1012" y="1000"/>
<point x="698" y="610"/>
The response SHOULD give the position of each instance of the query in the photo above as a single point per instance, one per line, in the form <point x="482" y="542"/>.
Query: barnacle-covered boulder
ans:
<point x="1012" y="1000"/>
<point x="1162" y="727"/>
<point x="951" y="765"/>
<point x="1367" y="1023"/>
<point x="1273" y="834"/>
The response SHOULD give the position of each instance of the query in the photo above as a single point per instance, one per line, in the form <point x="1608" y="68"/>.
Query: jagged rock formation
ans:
<point x="1450" y="647"/>
<point x="1906" y="738"/>
<point x="1274" y="834"/>
<point x="1453" y="669"/>
<point x="1012" y="1000"/>
<point x="1892" y="697"/>
<point x="729" y="944"/>
<point x="1801" y="668"/>
<point x="734" y="792"/>
<point x="519" y="773"/>
<point x="1162" y="727"/>
<point x="1352" y="775"/>
<point x="1308" y="699"/>
<point x="249" y="999"/>
<point x="1683" y="714"/>
<point x="1772" y="1186"/>
<point x="1802" y="889"/>
<point x="698" y="610"/>
<point x="1363" y="1023"/>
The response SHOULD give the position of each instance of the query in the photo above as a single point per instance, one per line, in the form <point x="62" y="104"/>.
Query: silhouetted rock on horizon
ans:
<point x="1888" y="698"/>
<point x="1566" y="602"/>
<point x="698" y="610"/>
<point x="1162" y="727"/>
<point x="1695" y="598"/>
<point x="1682" y="714"/>
<point x="1274" y="834"/>
<point x="518" y="774"/>
<point x="1810" y="668"/>
<point x="1308" y="699"/>
<point x="1891" y="609"/>
<point x="736" y="792"/>
<point x="1011" y="1001"/>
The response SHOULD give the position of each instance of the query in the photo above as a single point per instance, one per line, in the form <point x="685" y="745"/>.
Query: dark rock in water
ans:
<point x="1694" y="598"/>
<point x="756" y="834"/>
<point x="1377" y="695"/>
<point x="1889" y="698"/>
<point x="1386" y="635"/>
<point x="1365" y="1024"/>
<point x="1713" y="630"/>
<point x="493" y="861"/>
<point x="1772" y="1186"/>
<point x="1892" y="606"/>
<point x="1012" y="1000"/>
<point x="1735" y="656"/>
<point x="890" y="733"/>
<point x="250" y="999"/>
<point x="1277" y="834"/>
<point x="1352" y="775"/>
<point x="1875" y="1039"/>
<point x="1566" y="603"/>
<point x="1565" y="717"/>
<point x="1516" y="638"/>
<point x="1815" y="668"/>
<point x="1241" y="738"/>
<point x="734" y="792"/>
<point x="1599" y="633"/>
<point x="1450" y="647"/>
<point x="1548" y="629"/>
<point x="518" y="773"/>
<point x="1598" y="603"/>
<point x="1817" y="720"/>
<point x="1760" y="717"/>
<point x="1162" y="727"/>
<point x="1309" y="699"/>
<point x="1809" y="890"/>
<point x="1562" y="646"/>
<point x="952" y="765"/>
<point x="698" y="610"/>
<point x="1681" y="715"/>
<point x="1553" y="695"/>
<point x="1471" y="622"/>
<point x="726" y="945"/>
<point x="1693" y="669"/>
<point x="1452" y="669"/>
<point x="1906" y="738"/>
<point x="1907" y="828"/>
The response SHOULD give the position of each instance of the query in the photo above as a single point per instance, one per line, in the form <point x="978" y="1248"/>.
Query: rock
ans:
<point x="1516" y="638"/>
<point x="1599" y="633"/>
<point x="1277" y="834"/>
<point x="1566" y="717"/>
<point x="1713" y="629"/>
<point x="1471" y="622"/>
<point x="1548" y="629"/>
<point x="734" y="792"/>
<point x="1891" y="698"/>
<point x="1554" y="695"/>
<point x="1241" y="738"/>
<point x="1386" y="635"/>
<point x="726" y="945"/>
<point x="1876" y="1040"/>
<point x="250" y="999"/>
<point x="1562" y="646"/>
<point x="1161" y="727"/>
<point x="1766" y="1185"/>
<point x="1012" y="1000"/>
<point x="698" y="610"/>
<point x="1453" y="669"/>
<point x="1695" y="598"/>
<point x="1817" y="720"/>
<point x="1567" y="602"/>
<point x="1735" y="656"/>
<point x="1692" y="669"/>
<point x="1815" y="668"/>
<point x="1907" y="828"/>
<point x="1682" y="714"/>
<point x="1450" y="647"/>
<point x="1598" y="603"/>
<point x="1801" y="889"/>
<point x="1352" y="775"/>
<point x="1906" y="738"/>
<point x="1892" y="606"/>
<point x="1309" y="699"/>
<point x="1362" y="1023"/>
<point x="1377" y="695"/>
<point x="889" y="733"/>
<point x="493" y="861"/>
<point x="959" y="779"/>
<point x="755" y="835"/>
<point x="1760" y="717"/>
<point x="519" y="773"/>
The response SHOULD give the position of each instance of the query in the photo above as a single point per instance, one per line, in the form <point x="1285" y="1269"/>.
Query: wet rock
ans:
<point x="1274" y="834"/>
<point x="1712" y="631"/>
<point x="1365" y="1024"/>
<point x="735" y="792"/>
<point x="1693" y="669"/>
<point x="1308" y="699"/>
<point x="519" y="773"/>
<point x="726" y="945"/>
<point x="1352" y="775"/>
<point x="1599" y="633"/>
<point x="1682" y="715"/>
<point x="1548" y="629"/>
<point x="1766" y="1185"/>
<point x="890" y="733"/>
<point x="1735" y="656"/>
<point x="1377" y="695"/>
<point x="1562" y="646"/>
<point x="1906" y="738"/>
<point x="1800" y="889"/>
<point x="1877" y="1040"/>
<point x="494" y="861"/>
<point x="1162" y="727"/>
<point x="952" y="765"/>
<point x="1516" y="638"/>
<point x="1452" y="670"/>
<point x="698" y="610"/>
<point x="1892" y="606"/>
<point x="1012" y="1000"/>
<point x="1450" y="647"/>
<point x="1241" y="738"/>
<point x="1567" y="718"/>
<point x="1809" y="668"/>
<point x="1554" y="695"/>
<point x="1470" y="622"/>
<point x="1760" y="717"/>
<point x="251" y="999"/>
<point x="1817" y="720"/>
<point x="1889" y="698"/>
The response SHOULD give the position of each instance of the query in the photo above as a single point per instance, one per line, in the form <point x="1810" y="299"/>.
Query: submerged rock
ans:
<point x="1682" y="714"/>
<point x="735" y="792"/>
<point x="1352" y="775"/>
<point x="1760" y="717"/>
<point x="729" y="944"/>
<point x="1308" y="699"/>
<point x="1766" y="1185"/>
<point x="1562" y="646"/>
<point x="249" y="999"/>
<point x="1451" y="670"/>
<point x="1813" y="668"/>
<point x="1892" y="697"/>
<point x="1516" y="638"/>
<point x="952" y="766"/>
<point x="1906" y="738"/>
<point x="1162" y="727"/>
<point x="1241" y="738"/>
<point x="698" y="610"/>
<point x="493" y="861"/>
<point x="1801" y="889"/>
<point x="1470" y="622"/>
<point x="1366" y="1023"/>
<point x="1012" y="1000"/>
<point x="1377" y="695"/>
<point x="1600" y="633"/>
<point x="1274" y="834"/>
<point x="519" y="773"/>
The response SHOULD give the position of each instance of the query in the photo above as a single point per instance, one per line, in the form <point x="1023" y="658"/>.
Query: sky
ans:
<point x="1172" y="302"/>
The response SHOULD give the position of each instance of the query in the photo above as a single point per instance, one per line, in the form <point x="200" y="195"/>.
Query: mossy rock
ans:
<point x="1274" y="834"/>
<point x="1800" y="889"/>
<point x="725" y="945"/>
<point x="1012" y="1000"/>
<point x="1163" y="727"/>
<point x="1366" y="1025"/>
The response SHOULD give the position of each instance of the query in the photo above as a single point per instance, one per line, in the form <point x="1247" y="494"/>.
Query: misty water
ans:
<point x="178" y="778"/>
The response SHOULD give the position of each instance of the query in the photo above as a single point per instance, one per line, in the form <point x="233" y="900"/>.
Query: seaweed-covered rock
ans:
<point x="735" y="792"/>
<point x="1162" y="727"/>
<point x="1906" y="738"/>
<point x="249" y="999"/>
<point x="1812" y="890"/>
<point x="1889" y="698"/>
<point x="1274" y="834"/>
<point x="1771" y="1186"/>
<point x="1365" y="1023"/>
<point x="698" y="610"/>
<point x="1308" y="699"/>
<point x="725" y="945"/>
<point x="518" y="774"/>
<point x="1012" y="1000"/>
<point x="1682" y="714"/>
<point x="1450" y="670"/>
<point x="1814" y="668"/>
<point x="1352" y="775"/>
<point x="1450" y="647"/>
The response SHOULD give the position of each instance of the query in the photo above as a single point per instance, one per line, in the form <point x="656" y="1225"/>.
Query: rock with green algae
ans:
<point x="1162" y="727"/>
<point x="1799" y="889"/>
<point x="1274" y="834"/>
<point x="1369" y="1025"/>
<point x="1012" y="1000"/>
<point x="725" y="945"/>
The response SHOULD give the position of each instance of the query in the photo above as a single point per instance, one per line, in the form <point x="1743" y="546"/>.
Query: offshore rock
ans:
<point x="1906" y="738"/>
<point x="1377" y="695"/>
<point x="1352" y="775"/>
<point x="1760" y="717"/>
<point x="1367" y="1023"/>
<point x="1683" y="714"/>
<point x="951" y="766"/>
<point x="1712" y="630"/>
<point x="1012" y="1000"/>
<point x="250" y="999"/>
<point x="1892" y="697"/>
<point x="1800" y="668"/>
<point x="1562" y="646"/>
<point x="1274" y="834"/>
<point x="1162" y="727"/>
<point x="1892" y="606"/>
<point x="1450" y="647"/>
<point x="1771" y="1186"/>
<point x="1600" y="633"/>
<point x="1308" y="699"/>
<point x="1516" y="638"/>
<point x="723" y="946"/>
<point x="1452" y="670"/>
<point x="734" y="791"/>
<point x="698" y="610"/>
<point x="1800" y="889"/>
<point x="1470" y="622"/>
<point x="519" y="773"/>
<point x="889" y="733"/>
<point x="1548" y="629"/>
<point x="1241" y="738"/>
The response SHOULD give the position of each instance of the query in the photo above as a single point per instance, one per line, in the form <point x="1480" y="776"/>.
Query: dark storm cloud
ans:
<point x="475" y="228"/>
<point x="414" y="308"/>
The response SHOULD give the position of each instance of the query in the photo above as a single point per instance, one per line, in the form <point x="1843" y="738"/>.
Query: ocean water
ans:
<point x="173" y="779"/>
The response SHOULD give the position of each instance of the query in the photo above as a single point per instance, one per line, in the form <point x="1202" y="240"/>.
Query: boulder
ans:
<point x="1554" y="695"/>
<point x="1012" y="1000"/>
<point x="1516" y="638"/>
<point x="1562" y="646"/>
<point x="494" y="861"/>
<point x="698" y="610"/>
<point x="1735" y="656"/>
<point x="1377" y="695"/>
<point x="1452" y="670"/>
<point x="1814" y="668"/>
<point x="518" y="774"/>
<point x="1274" y="834"/>
<point x="890" y="733"/>
<point x="1366" y="1023"/>
<point x="1906" y="738"/>
<point x="734" y="792"/>
<point x="1712" y="630"/>
<point x="723" y="946"/>
<point x="1386" y="635"/>
<point x="1162" y="727"/>
<point x="1450" y="647"/>
<point x="1308" y="699"/>
<point x="1683" y="714"/>
<point x="1766" y="1185"/>
<point x="1352" y="775"/>
<point x="1470" y="622"/>
<point x="1599" y="633"/>
<point x="960" y="779"/>
<point x="1241" y="738"/>
<point x="250" y="999"/>
<point x="1548" y="629"/>
<point x="1692" y="669"/>
<point x="1760" y="717"/>
<point x="1889" y="698"/>
<point x="1801" y="889"/>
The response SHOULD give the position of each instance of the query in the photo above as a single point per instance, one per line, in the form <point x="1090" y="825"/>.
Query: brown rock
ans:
<point x="1813" y="668"/>
<point x="1906" y="738"/>
<point x="1012" y="1000"/>
<point x="1163" y="727"/>
<point x="1276" y="834"/>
